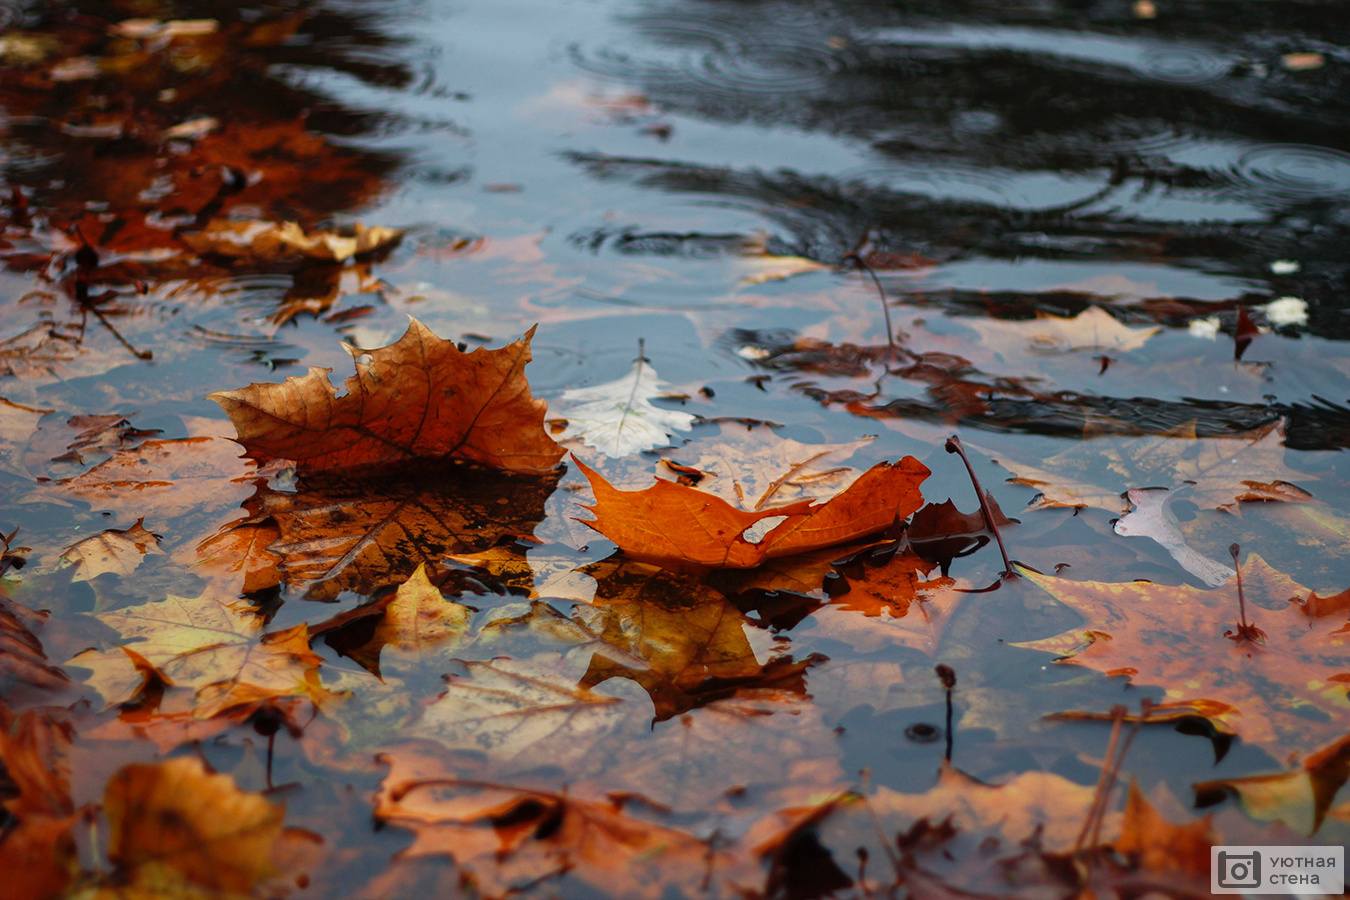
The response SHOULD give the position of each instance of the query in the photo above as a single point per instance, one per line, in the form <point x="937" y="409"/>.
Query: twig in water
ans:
<point x="953" y="445"/>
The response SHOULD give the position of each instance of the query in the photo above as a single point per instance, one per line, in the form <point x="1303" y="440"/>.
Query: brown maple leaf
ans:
<point x="1092" y="329"/>
<point x="418" y="398"/>
<point x="1191" y="641"/>
<point x="677" y="524"/>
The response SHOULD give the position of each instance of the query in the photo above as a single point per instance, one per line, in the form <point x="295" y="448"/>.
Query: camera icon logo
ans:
<point x="1239" y="870"/>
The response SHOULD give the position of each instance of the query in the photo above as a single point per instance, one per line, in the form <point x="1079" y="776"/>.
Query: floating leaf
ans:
<point x="618" y="418"/>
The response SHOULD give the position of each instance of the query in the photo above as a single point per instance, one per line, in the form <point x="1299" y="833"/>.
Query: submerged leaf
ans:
<point x="116" y="551"/>
<point x="618" y="418"/>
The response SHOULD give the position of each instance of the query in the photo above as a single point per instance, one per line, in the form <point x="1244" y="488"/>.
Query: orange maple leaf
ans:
<point x="418" y="398"/>
<point x="674" y="523"/>
<point x="1190" y="640"/>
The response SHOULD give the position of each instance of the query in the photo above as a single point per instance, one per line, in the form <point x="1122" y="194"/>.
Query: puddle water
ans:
<point x="704" y="180"/>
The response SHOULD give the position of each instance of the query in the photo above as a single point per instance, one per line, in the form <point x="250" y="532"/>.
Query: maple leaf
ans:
<point x="508" y="839"/>
<point x="752" y="467"/>
<point x="418" y="398"/>
<point x="1220" y="472"/>
<point x="210" y="644"/>
<point x="618" y="418"/>
<point x="239" y="552"/>
<point x="1189" y="640"/>
<point x="1092" y="329"/>
<point x="173" y="477"/>
<point x="116" y="551"/>
<point x="1301" y="797"/>
<point x="1157" y="845"/>
<point x="673" y="523"/>
<point x="338" y="533"/>
<point x="175" y="828"/>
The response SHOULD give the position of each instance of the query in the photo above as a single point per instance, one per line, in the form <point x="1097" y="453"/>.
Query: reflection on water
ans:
<point x="737" y="188"/>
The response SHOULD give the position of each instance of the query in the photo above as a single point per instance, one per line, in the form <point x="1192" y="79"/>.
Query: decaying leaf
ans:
<point x="1158" y="845"/>
<point x="673" y="523"/>
<point x="1220" y="472"/>
<point x="116" y="551"/>
<point x="211" y="644"/>
<point x="507" y="839"/>
<point x="618" y="418"/>
<point x="418" y="398"/>
<point x="172" y="477"/>
<point x="1190" y="641"/>
<point x="1300" y="798"/>
<point x="1092" y="329"/>
<point x="752" y="468"/>
<point x="176" y="829"/>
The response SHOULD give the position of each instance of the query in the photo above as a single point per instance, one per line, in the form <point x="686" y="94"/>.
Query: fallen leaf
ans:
<point x="1092" y="329"/>
<point x="1300" y="798"/>
<point x="1220" y="471"/>
<point x="172" y="477"/>
<point x="174" y="829"/>
<point x="262" y="241"/>
<point x="618" y="418"/>
<point x="754" y="467"/>
<point x="239" y="553"/>
<point x="1157" y="845"/>
<point x="1152" y="517"/>
<point x="418" y="398"/>
<point x="672" y="523"/>
<point x="211" y="644"/>
<point x="414" y="626"/>
<point x="117" y="551"/>
<point x="1183" y="638"/>
<point x="507" y="840"/>
<point x="23" y="664"/>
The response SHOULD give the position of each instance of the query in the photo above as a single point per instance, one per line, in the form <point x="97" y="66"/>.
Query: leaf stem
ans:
<point x="953" y="445"/>
<point x="947" y="676"/>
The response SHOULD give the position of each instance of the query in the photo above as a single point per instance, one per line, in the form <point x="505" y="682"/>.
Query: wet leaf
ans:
<point x="1218" y="472"/>
<point x="508" y="839"/>
<point x="676" y="524"/>
<point x="1092" y="329"/>
<point x="1282" y="690"/>
<point x="37" y="847"/>
<point x="265" y="241"/>
<point x="214" y="645"/>
<point x="418" y="398"/>
<point x="618" y="418"/>
<point x="116" y="551"/>
<point x="174" y="827"/>
<point x="893" y="588"/>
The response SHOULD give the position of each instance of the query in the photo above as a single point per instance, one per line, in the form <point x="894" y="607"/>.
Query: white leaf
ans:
<point x="1152" y="518"/>
<point x="618" y="418"/>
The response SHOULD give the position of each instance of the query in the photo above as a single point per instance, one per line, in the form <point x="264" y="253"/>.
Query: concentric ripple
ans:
<point x="1294" y="171"/>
